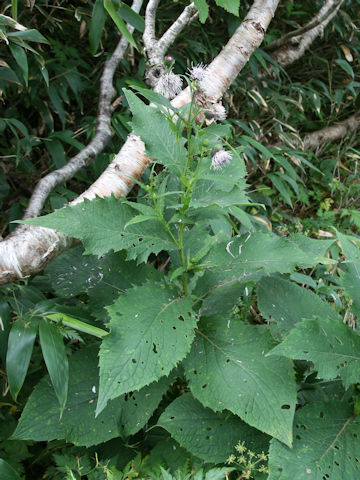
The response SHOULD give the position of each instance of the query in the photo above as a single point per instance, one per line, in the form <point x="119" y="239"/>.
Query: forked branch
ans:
<point x="156" y="49"/>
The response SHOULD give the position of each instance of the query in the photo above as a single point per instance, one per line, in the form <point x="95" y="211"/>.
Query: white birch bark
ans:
<point x="332" y="133"/>
<point x="294" y="47"/>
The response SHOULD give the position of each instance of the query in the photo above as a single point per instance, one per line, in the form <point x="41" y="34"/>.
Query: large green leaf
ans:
<point x="331" y="345"/>
<point x="311" y="245"/>
<point x="137" y="407"/>
<point x="155" y="131"/>
<point x="151" y="329"/>
<point x="108" y="218"/>
<point x="206" y="434"/>
<point x="250" y="256"/>
<point x="207" y="193"/>
<point x="54" y="352"/>
<point x="326" y="445"/>
<point x="20" y="345"/>
<point x="101" y="278"/>
<point x="40" y="419"/>
<point x="222" y="300"/>
<point x="203" y="8"/>
<point x="350" y="279"/>
<point x="197" y="243"/>
<point x="225" y="187"/>
<point x="227" y="369"/>
<point x="71" y="273"/>
<point x="286" y="303"/>
<point x="7" y="472"/>
<point x="231" y="173"/>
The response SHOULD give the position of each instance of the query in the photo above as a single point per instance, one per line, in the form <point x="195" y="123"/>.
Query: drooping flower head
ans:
<point x="197" y="72"/>
<point x="219" y="158"/>
<point x="169" y="85"/>
<point x="216" y="111"/>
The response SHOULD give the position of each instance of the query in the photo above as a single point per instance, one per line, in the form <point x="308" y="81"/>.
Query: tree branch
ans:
<point x="296" y="46"/>
<point x="188" y="15"/>
<point x="131" y="161"/>
<point x="329" y="7"/>
<point x="149" y="35"/>
<point x="116" y="180"/>
<point x="332" y="133"/>
<point x="156" y="49"/>
<point x="248" y="36"/>
<point x="29" y="250"/>
<point x="102" y="134"/>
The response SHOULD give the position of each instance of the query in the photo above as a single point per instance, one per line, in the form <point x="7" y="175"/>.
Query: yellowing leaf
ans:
<point x="347" y="52"/>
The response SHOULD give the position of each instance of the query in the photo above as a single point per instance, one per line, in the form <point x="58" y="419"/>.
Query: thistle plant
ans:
<point x="173" y="267"/>
<point x="197" y="72"/>
<point x="169" y="85"/>
<point x="219" y="158"/>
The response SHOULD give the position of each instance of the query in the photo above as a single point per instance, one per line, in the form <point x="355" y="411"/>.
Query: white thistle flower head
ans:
<point x="219" y="158"/>
<point x="216" y="112"/>
<point x="197" y="72"/>
<point x="169" y="85"/>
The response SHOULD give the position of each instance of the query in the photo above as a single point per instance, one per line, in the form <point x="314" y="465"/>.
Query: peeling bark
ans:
<point x="29" y="250"/>
<point x="247" y="38"/>
<point x="116" y="180"/>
